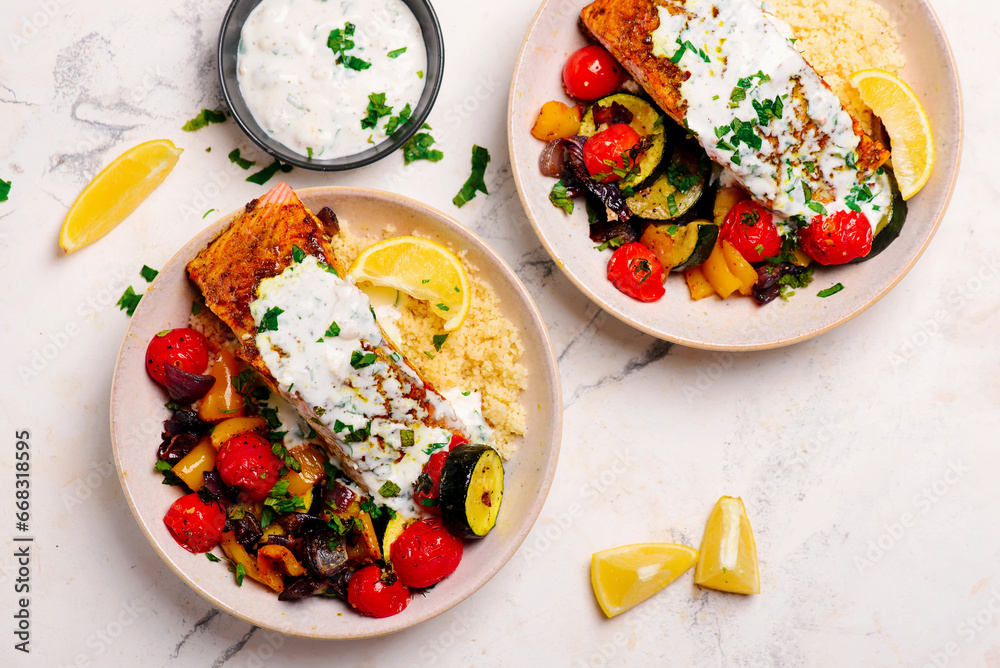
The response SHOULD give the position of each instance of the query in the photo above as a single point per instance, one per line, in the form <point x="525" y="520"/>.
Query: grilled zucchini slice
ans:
<point x="647" y="121"/>
<point x="674" y="192"/>
<point x="891" y="224"/>
<point x="471" y="490"/>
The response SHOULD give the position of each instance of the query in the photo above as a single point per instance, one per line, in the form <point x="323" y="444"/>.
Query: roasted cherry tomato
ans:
<point x="837" y="239"/>
<point x="195" y="525"/>
<point x="425" y="553"/>
<point x="750" y="228"/>
<point x="373" y="596"/>
<point x="636" y="272"/>
<point x="246" y="462"/>
<point x="456" y="440"/>
<point x="428" y="487"/>
<point x="607" y="150"/>
<point x="185" y="348"/>
<point x="592" y="73"/>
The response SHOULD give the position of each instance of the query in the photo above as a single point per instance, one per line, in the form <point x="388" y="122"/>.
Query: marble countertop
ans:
<point x="867" y="457"/>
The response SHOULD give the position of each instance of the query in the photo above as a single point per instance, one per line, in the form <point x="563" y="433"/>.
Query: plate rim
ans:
<point x="553" y="438"/>
<point x="810" y="333"/>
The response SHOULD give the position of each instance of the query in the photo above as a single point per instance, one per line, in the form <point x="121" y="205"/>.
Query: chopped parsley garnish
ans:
<point x="672" y="204"/>
<point x="203" y="119"/>
<point x="420" y="74"/>
<point x="688" y="46"/>
<point x="264" y="175"/>
<point x="681" y="178"/>
<point x="269" y="323"/>
<point x="211" y="557"/>
<point x="406" y="438"/>
<point x="744" y="86"/>
<point x="396" y="53"/>
<point x="340" y="42"/>
<point x="332" y="330"/>
<point x="768" y="109"/>
<point x="389" y="489"/>
<point x="613" y="242"/>
<point x="443" y="306"/>
<point x="129" y="301"/>
<point x="560" y="197"/>
<point x="339" y="426"/>
<point x="475" y="182"/>
<point x="234" y="157"/>
<point x="4" y="190"/>
<point x="377" y="109"/>
<point x="148" y="273"/>
<point x="789" y="282"/>
<point x="206" y="213"/>
<point x="241" y="572"/>
<point x="309" y="153"/>
<point x="243" y="382"/>
<point x="393" y="123"/>
<point x="434" y="447"/>
<point x="360" y="360"/>
<point x="357" y="435"/>
<point x="196" y="308"/>
<point x="281" y="452"/>
<point x="858" y="193"/>
<point x="298" y="254"/>
<point x="830" y="291"/>
<point x="418" y="147"/>
<point x="169" y="477"/>
<point x="278" y="501"/>
<point x="439" y="340"/>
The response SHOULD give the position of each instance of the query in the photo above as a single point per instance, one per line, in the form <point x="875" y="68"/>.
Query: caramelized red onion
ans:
<point x="186" y="387"/>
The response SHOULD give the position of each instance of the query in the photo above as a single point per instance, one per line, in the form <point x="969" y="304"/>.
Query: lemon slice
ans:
<point x="728" y="560"/>
<point x="421" y="268"/>
<point x="906" y="122"/>
<point x="116" y="192"/>
<point x="624" y="577"/>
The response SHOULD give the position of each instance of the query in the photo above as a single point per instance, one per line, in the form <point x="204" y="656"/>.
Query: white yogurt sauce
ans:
<point x="298" y="93"/>
<point x="797" y="150"/>
<point x="469" y="406"/>
<point x="367" y="408"/>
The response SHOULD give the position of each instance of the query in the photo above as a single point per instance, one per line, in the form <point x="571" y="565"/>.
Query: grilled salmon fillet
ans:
<point x="726" y="72"/>
<point x="273" y="278"/>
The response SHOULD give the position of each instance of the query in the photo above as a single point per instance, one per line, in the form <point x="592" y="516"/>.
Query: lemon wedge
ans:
<point x="116" y="192"/>
<point x="728" y="555"/>
<point x="421" y="268"/>
<point x="624" y="577"/>
<point x="906" y="122"/>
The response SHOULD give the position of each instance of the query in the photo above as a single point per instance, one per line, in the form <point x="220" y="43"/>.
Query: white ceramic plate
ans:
<point x="734" y="324"/>
<point x="137" y="414"/>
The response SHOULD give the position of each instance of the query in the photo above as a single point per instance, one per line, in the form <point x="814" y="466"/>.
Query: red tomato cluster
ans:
<point x="591" y="73"/>
<point x="608" y="150"/>
<point x="247" y="463"/>
<point x="194" y="524"/>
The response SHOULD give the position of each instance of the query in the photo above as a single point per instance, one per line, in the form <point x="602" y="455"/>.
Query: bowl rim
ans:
<point x="549" y="374"/>
<point x="344" y="163"/>
<point x="703" y="345"/>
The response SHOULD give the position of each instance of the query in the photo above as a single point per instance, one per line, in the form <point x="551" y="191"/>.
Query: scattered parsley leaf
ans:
<point x="419" y="148"/>
<point x="234" y="157"/>
<point x="4" y="190"/>
<point x="148" y="273"/>
<point x="434" y="447"/>
<point x="264" y="175"/>
<point x="389" y="489"/>
<point x="406" y="438"/>
<point x="241" y="572"/>
<point x="203" y="119"/>
<point x="443" y="306"/>
<point x="560" y="197"/>
<point x="298" y="254"/>
<point x="393" y="123"/>
<point x="129" y="301"/>
<point x="396" y="53"/>
<point x="475" y="182"/>
<point x="360" y="360"/>
<point x="377" y="108"/>
<point x="829" y="292"/>
<point x="196" y="308"/>
<point x="332" y="330"/>
<point x="340" y="42"/>
<point x="613" y="242"/>
<point x="269" y="323"/>
<point x="206" y="213"/>
<point x="169" y="477"/>
<point x="439" y="340"/>
<point x="212" y="557"/>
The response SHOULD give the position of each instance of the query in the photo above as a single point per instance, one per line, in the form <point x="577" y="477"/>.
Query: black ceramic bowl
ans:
<point x="229" y="41"/>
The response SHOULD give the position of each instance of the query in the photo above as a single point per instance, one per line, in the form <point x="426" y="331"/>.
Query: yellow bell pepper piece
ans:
<point x="698" y="285"/>
<point x="195" y="464"/>
<point x="222" y="401"/>
<point x="226" y="429"/>
<point x="239" y="555"/>
<point x="275" y="560"/>
<point x="718" y="274"/>
<point x="740" y="268"/>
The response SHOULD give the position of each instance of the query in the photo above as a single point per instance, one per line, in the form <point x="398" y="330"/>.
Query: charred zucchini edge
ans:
<point x="471" y="490"/>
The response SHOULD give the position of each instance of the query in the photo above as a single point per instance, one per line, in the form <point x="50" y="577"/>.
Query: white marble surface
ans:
<point x="867" y="458"/>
